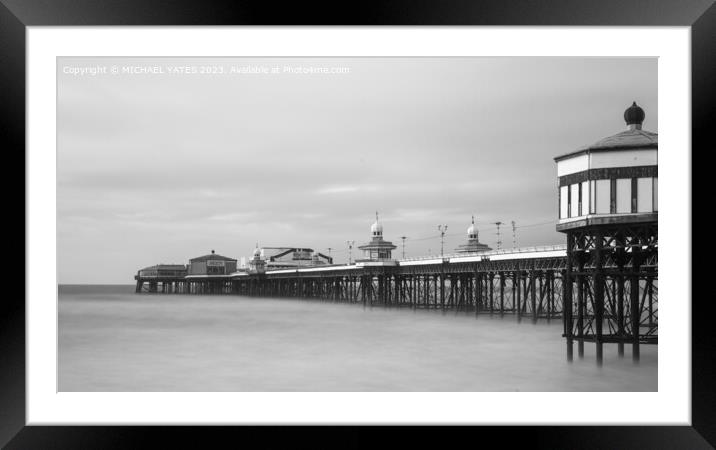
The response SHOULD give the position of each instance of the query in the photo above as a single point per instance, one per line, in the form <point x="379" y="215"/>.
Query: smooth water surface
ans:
<point x="111" y="339"/>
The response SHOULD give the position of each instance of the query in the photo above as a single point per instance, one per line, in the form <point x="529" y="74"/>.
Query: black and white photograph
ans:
<point x="242" y="219"/>
<point x="357" y="224"/>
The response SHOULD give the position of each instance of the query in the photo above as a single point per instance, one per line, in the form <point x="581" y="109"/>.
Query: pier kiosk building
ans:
<point x="276" y="258"/>
<point x="164" y="271"/>
<point x="293" y="257"/>
<point x="319" y="259"/>
<point x="378" y="251"/>
<point x="608" y="209"/>
<point x="165" y="278"/>
<point x="212" y="264"/>
<point x="473" y="244"/>
<point x="257" y="264"/>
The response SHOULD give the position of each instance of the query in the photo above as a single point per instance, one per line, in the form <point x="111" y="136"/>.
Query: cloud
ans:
<point x="338" y="189"/>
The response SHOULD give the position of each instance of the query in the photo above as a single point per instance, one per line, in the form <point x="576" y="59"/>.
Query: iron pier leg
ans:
<point x="599" y="294"/>
<point x="620" y="311"/>
<point x="634" y="296"/>
<point x="567" y="297"/>
<point x="533" y="294"/>
<point x="580" y="311"/>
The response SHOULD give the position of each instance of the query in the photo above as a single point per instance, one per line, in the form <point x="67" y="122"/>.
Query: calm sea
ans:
<point x="111" y="339"/>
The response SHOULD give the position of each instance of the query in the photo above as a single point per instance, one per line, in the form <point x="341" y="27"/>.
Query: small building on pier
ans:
<point x="163" y="271"/>
<point x="165" y="278"/>
<point x="473" y="244"/>
<point x="377" y="251"/>
<point x="257" y="263"/>
<point x="293" y="257"/>
<point x="319" y="259"/>
<point x="212" y="264"/>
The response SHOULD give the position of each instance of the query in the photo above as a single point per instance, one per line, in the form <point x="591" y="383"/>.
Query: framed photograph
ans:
<point x="358" y="225"/>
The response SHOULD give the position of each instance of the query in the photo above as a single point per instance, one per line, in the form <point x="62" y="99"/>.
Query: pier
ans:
<point x="603" y="284"/>
<point x="526" y="283"/>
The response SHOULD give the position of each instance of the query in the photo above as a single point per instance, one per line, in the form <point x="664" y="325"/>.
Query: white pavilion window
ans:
<point x="644" y="195"/>
<point x="574" y="200"/>
<point x="623" y="195"/>
<point x="563" y="198"/>
<point x="584" y="209"/>
<point x="603" y="196"/>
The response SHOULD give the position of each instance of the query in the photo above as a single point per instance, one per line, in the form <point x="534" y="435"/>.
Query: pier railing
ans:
<point x="519" y="250"/>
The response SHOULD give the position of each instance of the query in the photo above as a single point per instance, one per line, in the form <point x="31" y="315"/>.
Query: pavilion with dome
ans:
<point x="377" y="249"/>
<point x="473" y="245"/>
<point x="257" y="264"/>
<point x="608" y="209"/>
<point x="614" y="180"/>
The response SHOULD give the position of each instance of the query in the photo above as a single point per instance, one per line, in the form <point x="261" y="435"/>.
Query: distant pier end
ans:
<point x="166" y="278"/>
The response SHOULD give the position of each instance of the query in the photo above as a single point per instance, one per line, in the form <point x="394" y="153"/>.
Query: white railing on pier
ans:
<point x="536" y="249"/>
<point x="527" y="252"/>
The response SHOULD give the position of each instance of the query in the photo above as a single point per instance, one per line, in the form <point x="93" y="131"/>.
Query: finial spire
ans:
<point x="376" y="216"/>
<point x="634" y="116"/>
<point x="473" y="219"/>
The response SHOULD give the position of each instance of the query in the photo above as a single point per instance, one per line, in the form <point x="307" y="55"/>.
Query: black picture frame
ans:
<point x="16" y="15"/>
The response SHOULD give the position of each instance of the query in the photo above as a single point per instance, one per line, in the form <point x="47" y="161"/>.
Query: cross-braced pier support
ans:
<point x="525" y="288"/>
<point x="611" y="288"/>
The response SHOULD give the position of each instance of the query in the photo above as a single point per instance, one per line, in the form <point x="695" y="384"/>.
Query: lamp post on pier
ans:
<point x="350" y="251"/>
<point x="499" y="238"/>
<point x="442" y="229"/>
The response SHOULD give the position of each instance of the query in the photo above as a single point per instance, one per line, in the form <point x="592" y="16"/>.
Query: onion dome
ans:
<point x="472" y="229"/>
<point x="634" y="115"/>
<point x="632" y="138"/>
<point x="257" y="251"/>
<point x="377" y="228"/>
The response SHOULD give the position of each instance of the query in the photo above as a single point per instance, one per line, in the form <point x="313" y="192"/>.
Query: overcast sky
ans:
<point x="160" y="168"/>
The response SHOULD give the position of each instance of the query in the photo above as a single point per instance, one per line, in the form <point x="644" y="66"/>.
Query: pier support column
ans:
<point x="381" y="298"/>
<point x="550" y="294"/>
<point x="478" y="292"/>
<point x="580" y="306"/>
<point x="518" y="283"/>
<point x="620" y="299"/>
<point x="551" y="304"/>
<point x="599" y="294"/>
<point x="634" y="297"/>
<point x="567" y="297"/>
<point x="533" y="294"/>
<point x="426" y="290"/>
<point x="650" y="292"/>
<point x="502" y="291"/>
<point x="363" y="287"/>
